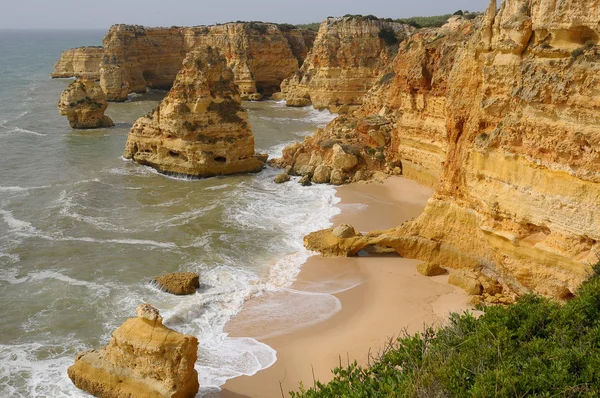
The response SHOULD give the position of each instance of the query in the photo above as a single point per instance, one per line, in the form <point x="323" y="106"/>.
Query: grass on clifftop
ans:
<point x="534" y="348"/>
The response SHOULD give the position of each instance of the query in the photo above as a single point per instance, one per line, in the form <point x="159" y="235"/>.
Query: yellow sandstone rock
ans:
<point x="135" y="57"/>
<point x="344" y="63"/>
<point x="200" y="128"/>
<point x="429" y="269"/>
<point x="143" y="359"/>
<point x="180" y="283"/>
<point x="506" y="128"/>
<point x="79" y="62"/>
<point x="83" y="102"/>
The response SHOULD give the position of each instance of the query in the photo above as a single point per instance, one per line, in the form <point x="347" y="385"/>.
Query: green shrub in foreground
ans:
<point x="534" y="348"/>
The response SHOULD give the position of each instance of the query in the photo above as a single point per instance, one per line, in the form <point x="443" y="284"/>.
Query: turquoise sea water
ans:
<point x="82" y="231"/>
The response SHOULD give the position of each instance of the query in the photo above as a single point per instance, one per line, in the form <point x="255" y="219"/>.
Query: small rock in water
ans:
<point x="179" y="283"/>
<point x="281" y="178"/>
<point x="305" y="181"/>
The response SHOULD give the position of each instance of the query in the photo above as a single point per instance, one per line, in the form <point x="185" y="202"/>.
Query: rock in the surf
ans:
<point x="200" y="129"/>
<point x="83" y="102"/>
<point x="144" y="358"/>
<point x="179" y="283"/>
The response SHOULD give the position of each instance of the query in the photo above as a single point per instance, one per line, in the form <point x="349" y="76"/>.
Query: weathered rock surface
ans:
<point x="144" y="358"/>
<point x="136" y="57"/>
<point x="514" y="119"/>
<point x="401" y="126"/>
<point x="79" y="62"/>
<point x="346" y="58"/>
<point x="429" y="269"/>
<point x="179" y="283"/>
<point x="200" y="128"/>
<point x="281" y="178"/>
<point x="83" y="102"/>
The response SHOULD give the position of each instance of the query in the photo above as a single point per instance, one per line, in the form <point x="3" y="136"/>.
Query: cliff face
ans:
<point x="144" y="358"/>
<point x="401" y="126"/>
<point x="200" y="128"/>
<point x="346" y="58"/>
<point x="79" y="62"/>
<point x="518" y="197"/>
<point x="135" y="57"/>
<point x="83" y="102"/>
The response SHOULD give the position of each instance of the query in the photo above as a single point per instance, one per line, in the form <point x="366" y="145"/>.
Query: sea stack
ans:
<point x="144" y="358"/>
<point x="83" y="102"/>
<point x="200" y="128"/>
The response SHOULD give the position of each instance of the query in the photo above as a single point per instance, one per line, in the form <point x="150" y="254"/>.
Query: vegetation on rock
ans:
<point x="536" y="347"/>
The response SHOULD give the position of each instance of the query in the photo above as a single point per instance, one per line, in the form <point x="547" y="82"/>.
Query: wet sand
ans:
<point x="344" y="309"/>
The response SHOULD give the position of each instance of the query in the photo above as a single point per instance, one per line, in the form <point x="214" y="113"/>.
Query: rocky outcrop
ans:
<point x="344" y="63"/>
<point x="83" y="102"/>
<point x="79" y="62"/>
<point x="401" y="126"/>
<point x="136" y="57"/>
<point x="179" y="283"/>
<point x="144" y="358"/>
<point x="517" y="199"/>
<point x="200" y="128"/>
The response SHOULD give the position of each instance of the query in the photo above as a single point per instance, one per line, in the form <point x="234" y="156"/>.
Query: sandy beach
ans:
<point x="356" y="304"/>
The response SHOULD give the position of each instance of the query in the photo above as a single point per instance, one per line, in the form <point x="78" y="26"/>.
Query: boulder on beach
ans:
<point x="144" y="358"/>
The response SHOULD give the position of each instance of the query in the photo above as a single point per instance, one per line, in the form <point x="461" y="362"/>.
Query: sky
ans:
<point x="101" y="14"/>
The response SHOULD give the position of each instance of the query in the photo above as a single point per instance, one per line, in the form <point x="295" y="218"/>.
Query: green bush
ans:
<point x="536" y="347"/>
<point x="388" y="36"/>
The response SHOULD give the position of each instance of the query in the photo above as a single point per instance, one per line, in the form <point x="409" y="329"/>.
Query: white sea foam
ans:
<point x="31" y="376"/>
<point x="18" y="130"/>
<point x="43" y="275"/>
<point x="183" y="218"/>
<point x="217" y="187"/>
<point x="21" y="189"/>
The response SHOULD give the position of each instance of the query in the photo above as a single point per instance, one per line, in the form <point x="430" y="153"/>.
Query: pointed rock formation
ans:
<point x="83" y="102"/>
<point x="200" y="128"/>
<point x="144" y="358"/>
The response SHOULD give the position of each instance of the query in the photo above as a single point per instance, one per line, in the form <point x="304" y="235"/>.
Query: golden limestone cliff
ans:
<point x="79" y="62"/>
<point x="344" y="63"/>
<point x="144" y="358"/>
<point x="200" y="128"/>
<point x="136" y="57"/>
<point x="400" y="128"/>
<point x="83" y="102"/>
<point x="519" y="194"/>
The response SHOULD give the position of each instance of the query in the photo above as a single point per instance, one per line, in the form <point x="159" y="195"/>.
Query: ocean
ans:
<point x="83" y="231"/>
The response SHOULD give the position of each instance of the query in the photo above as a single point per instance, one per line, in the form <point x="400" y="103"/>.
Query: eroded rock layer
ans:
<point x="347" y="56"/>
<point x="79" y="62"/>
<point x="83" y="102"/>
<point x="144" y="358"/>
<point x="200" y="128"/>
<point x="401" y="126"/>
<point x="518" y="198"/>
<point x="136" y="57"/>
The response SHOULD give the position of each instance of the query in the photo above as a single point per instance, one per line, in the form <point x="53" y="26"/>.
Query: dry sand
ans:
<point x="373" y="299"/>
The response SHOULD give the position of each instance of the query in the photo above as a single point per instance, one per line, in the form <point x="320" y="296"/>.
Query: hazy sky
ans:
<point x="103" y="13"/>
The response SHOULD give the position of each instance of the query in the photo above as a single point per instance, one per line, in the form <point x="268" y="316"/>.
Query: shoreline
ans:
<point x="344" y="309"/>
